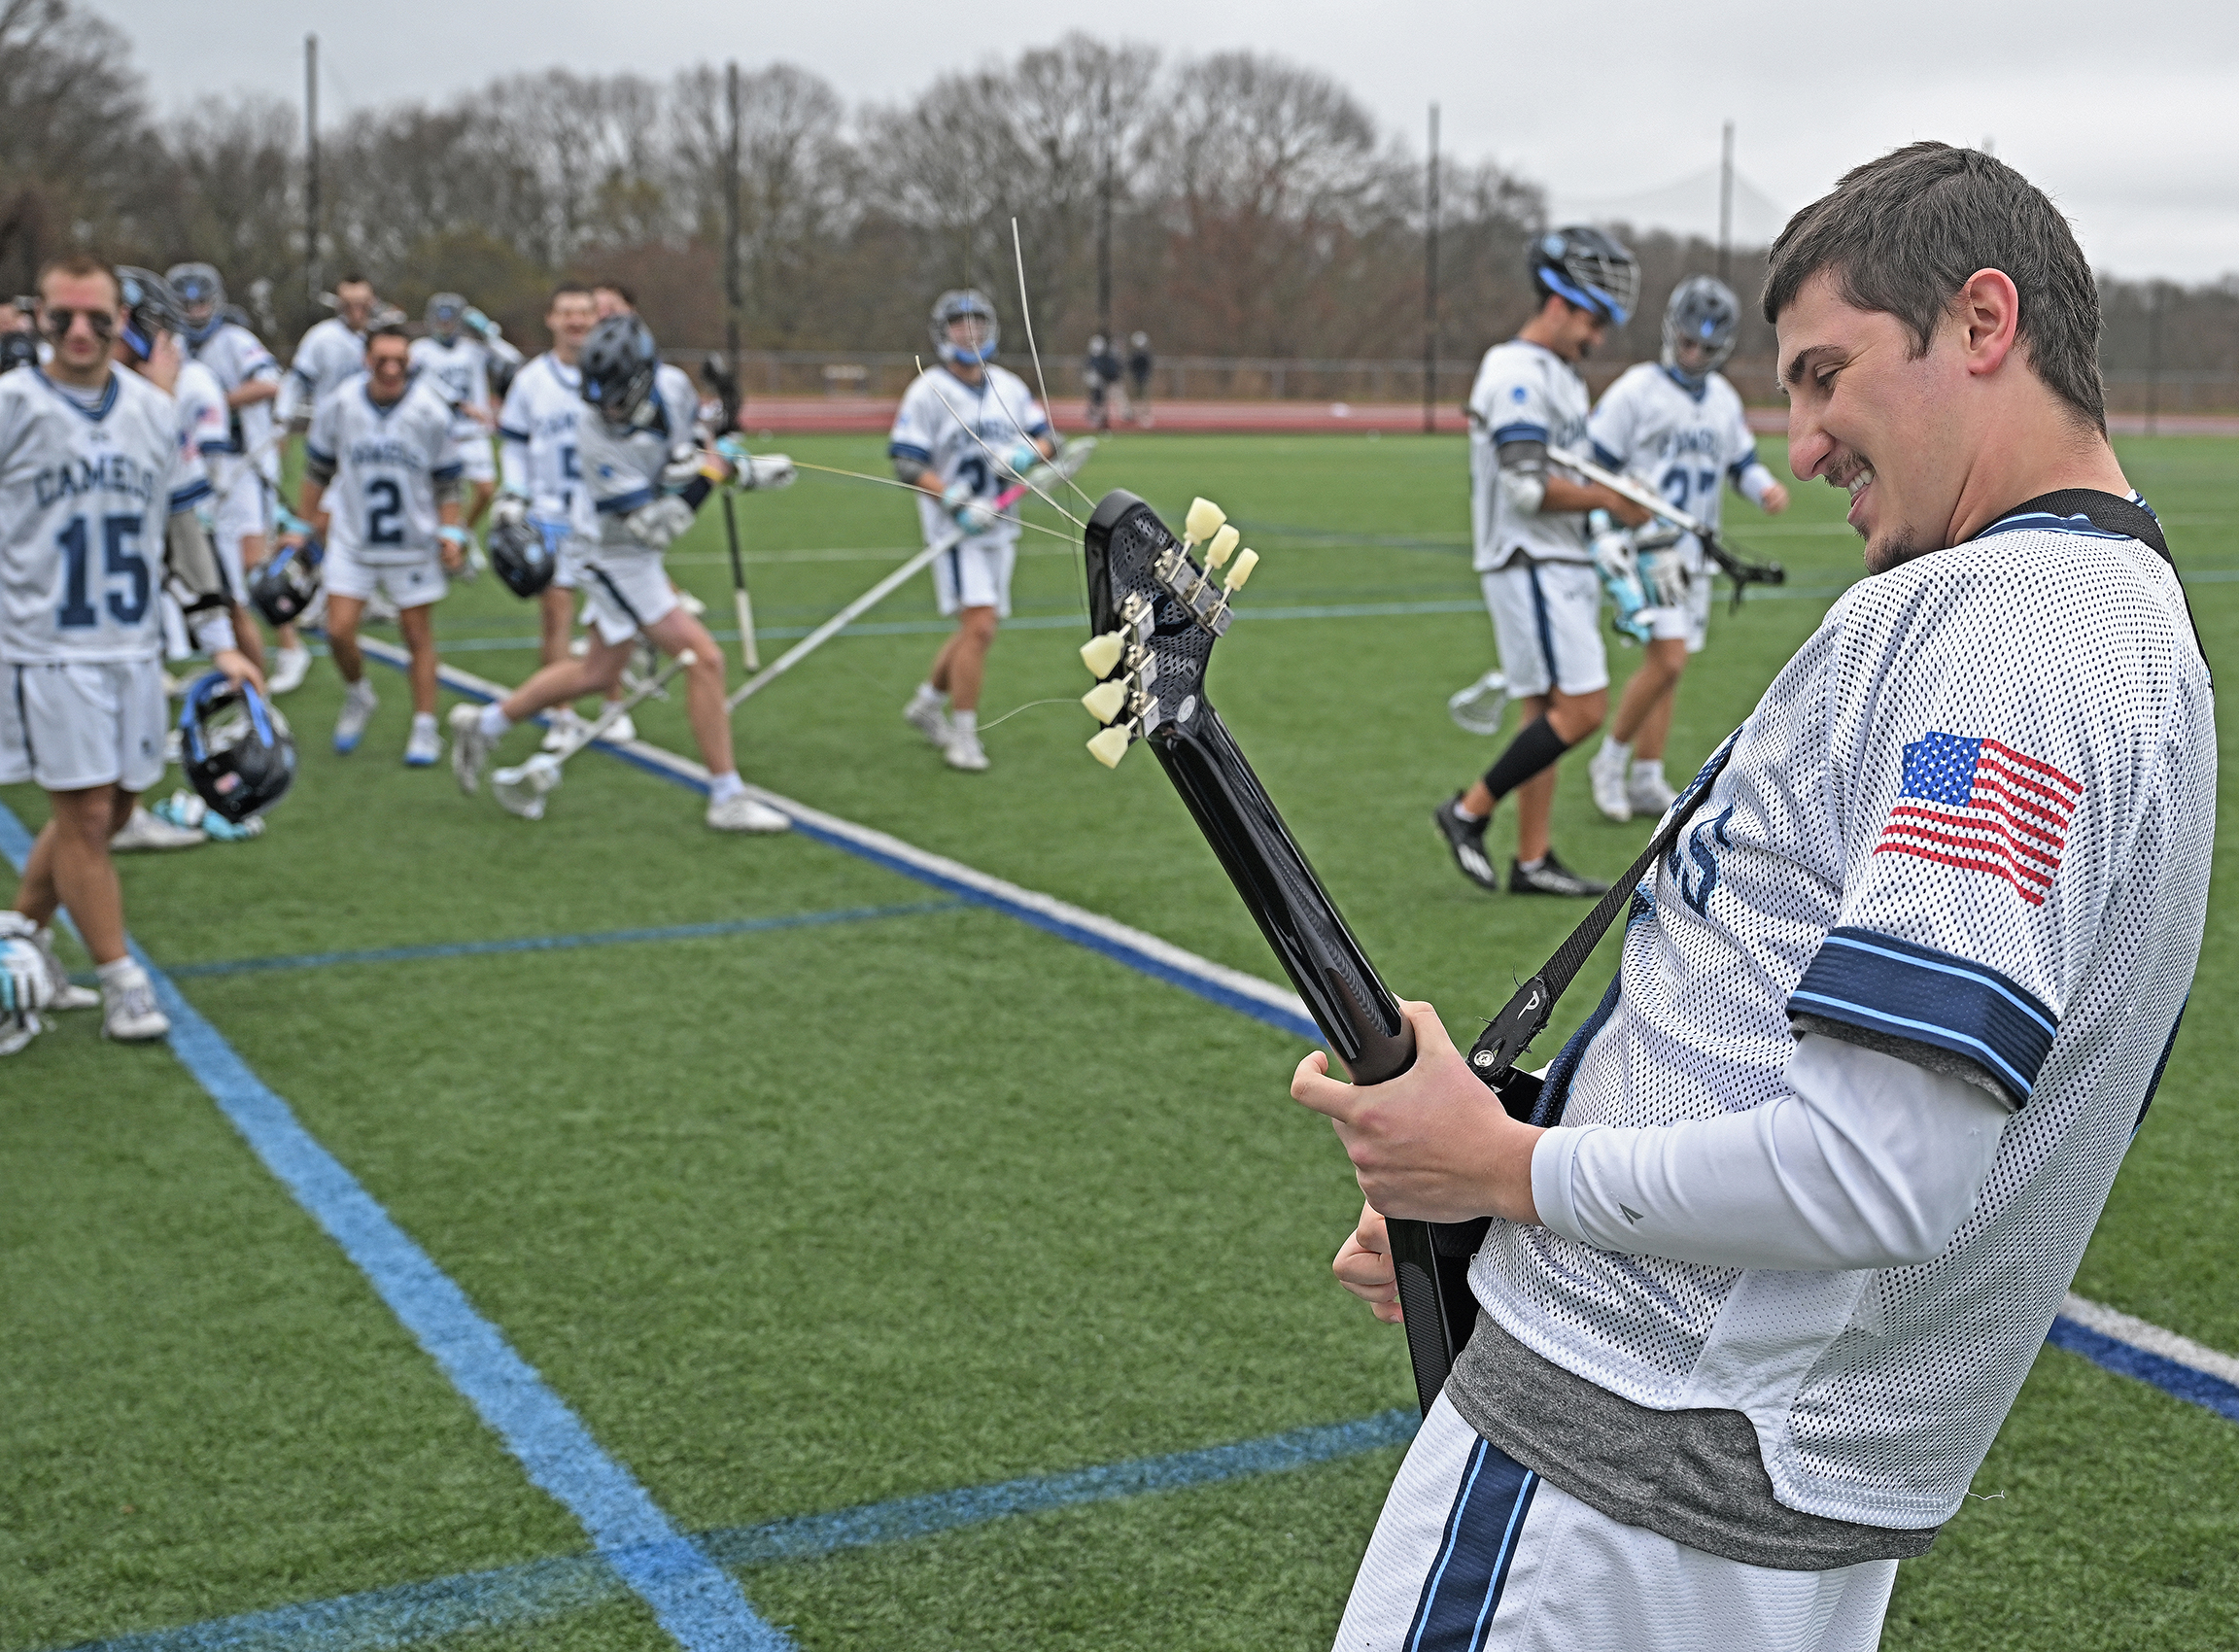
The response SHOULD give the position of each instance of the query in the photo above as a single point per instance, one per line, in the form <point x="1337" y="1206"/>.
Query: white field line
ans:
<point x="2150" y="1338"/>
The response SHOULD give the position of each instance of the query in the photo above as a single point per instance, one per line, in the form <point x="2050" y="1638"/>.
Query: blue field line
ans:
<point x="2170" y="1376"/>
<point x="694" y="1599"/>
<point x="539" y="1591"/>
<point x="563" y="943"/>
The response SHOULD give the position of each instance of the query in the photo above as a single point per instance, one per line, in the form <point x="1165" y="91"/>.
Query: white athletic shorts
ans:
<point x="408" y="584"/>
<point x="477" y="460"/>
<point x="67" y="725"/>
<point x="1475" y="1553"/>
<point x="1688" y="622"/>
<point x="1547" y="624"/>
<point x="624" y="595"/>
<point x="567" y="566"/>
<point x="243" y="511"/>
<point x="975" y="575"/>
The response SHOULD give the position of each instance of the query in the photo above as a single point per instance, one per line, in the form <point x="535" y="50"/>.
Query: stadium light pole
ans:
<point x="1104" y="209"/>
<point x="734" y="299"/>
<point x="1726" y="207"/>
<point x="2154" y="359"/>
<point x="1431" y="284"/>
<point x="311" y="281"/>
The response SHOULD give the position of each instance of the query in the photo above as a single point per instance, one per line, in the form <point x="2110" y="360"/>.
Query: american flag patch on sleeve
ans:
<point x="1982" y="807"/>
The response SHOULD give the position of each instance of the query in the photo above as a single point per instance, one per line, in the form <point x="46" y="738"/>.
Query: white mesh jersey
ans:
<point x="237" y="356"/>
<point x="1684" y="443"/>
<point x="1972" y="819"/>
<point x="324" y="355"/>
<point x="1524" y="392"/>
<point x="951" y="428"/>
<point x="204" y="430"/>
<point x="540" y="415"/>
<point x="462" y="369"/>
<point x="85" y="498"/>
<point x="622" y="468"/>
<point x="386" y="460"/>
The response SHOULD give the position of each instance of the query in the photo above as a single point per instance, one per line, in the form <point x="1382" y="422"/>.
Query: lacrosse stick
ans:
<point x="1742" y="572"/>
<point x="1062" y="469"/>
<point x="749" y="654"/>
<point x="521" y="790"/>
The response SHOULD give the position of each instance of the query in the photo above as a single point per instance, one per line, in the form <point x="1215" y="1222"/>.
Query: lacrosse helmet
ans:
<point x="18" y="350"/>
<point x="446" y="312"/>
<point x="965" y="303"/>
<point x="286" y="583"/>
<point x="201" y="293"/>
<point x="150" y="309"/>
<point x="1702" y="311"/>
<point x="618" y="363"/>
<point x="234" y="746"/>
<point x="1587" y="268"/>
<point x="522" y="557"/>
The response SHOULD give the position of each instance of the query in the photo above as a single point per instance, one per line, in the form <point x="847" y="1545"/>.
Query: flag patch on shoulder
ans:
<point x="1980" y="805"/>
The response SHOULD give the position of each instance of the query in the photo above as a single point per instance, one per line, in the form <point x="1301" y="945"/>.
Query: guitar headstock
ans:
<point x="1157" y="611"/>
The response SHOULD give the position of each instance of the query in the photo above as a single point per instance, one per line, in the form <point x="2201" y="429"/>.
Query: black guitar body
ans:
<point x="1349" y="1002"/>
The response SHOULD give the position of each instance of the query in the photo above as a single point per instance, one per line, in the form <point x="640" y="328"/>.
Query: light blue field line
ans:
<point x="539" y="1591"/>
<point x="692" y="1596"/>
<point x="562" y="943"/>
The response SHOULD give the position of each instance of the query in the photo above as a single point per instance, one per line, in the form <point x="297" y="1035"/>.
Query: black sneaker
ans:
<point x="1466" y="839"/>
<point x="1551" y="877"/>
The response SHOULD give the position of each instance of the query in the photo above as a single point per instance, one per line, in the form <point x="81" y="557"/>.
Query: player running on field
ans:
<point x="1888" y="1020"/>
<point x="97" y="501"/>
<point x="1678" y="426"/>
<point x="457" y="353"/>
<point x="965" y="432"/>
<point x="647" y="471"/>
<point x="1531" y="559"/>
<point x="246" y="477"/>
<point x="381" y="488"/>
<point x="328" y="353"/>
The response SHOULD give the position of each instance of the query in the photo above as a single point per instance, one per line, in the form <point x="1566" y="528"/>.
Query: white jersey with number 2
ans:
<point x="386" y="461"/>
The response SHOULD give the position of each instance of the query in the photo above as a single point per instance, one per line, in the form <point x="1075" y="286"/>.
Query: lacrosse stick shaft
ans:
<point x="615" y="709"/>
<point x="749" y="654"/>
<point x="1656" y="505"/>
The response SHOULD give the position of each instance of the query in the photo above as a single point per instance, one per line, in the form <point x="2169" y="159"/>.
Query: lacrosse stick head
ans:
<point x="1478" y="708"/>
<point x="522" y="790"/>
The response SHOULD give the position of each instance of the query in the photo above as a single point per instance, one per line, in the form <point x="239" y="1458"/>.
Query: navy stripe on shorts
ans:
<point x="1479" y="1545"/>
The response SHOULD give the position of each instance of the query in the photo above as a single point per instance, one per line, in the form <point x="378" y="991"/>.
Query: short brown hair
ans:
<point x="618" y="290"/>
<point x="77" y="266"/>
<point x="390" y="329"/>
<point x="1903" y="234"/>
<point x="567" y="289"/>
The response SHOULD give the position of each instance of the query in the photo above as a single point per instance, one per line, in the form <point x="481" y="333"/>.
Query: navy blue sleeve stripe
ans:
<point x="1041" y="429"/>
<point x="1742" y="468"/>
<point x="320" y="454"/>
<point x="909" y="450"/>
<point x="621" y="503"/>
<point x="1605" y="459"/>
<point x="448" y="472"/>
<point x="511" y="435"/>
<point x="1887" y="985"/>
<point x="1507" y="434"/>
<point x="189" y="497"/>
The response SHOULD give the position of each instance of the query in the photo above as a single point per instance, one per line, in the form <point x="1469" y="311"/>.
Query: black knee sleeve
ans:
<point x="1531" y="750"/>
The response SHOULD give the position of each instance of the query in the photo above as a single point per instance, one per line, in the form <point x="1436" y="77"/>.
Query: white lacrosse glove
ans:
<point x="1614" y="560"/>
<point x="755" y="471"/>
<point x="1613" y="555"/>
<point x="654" y="525"/>
<point x="481" y="325"/>
<point x="508" y="510"/>
<point x="967" y="509"/>
<point x="24" y="983"/>
<point x="683" y="469"/>
<point x="1664" y="574"/>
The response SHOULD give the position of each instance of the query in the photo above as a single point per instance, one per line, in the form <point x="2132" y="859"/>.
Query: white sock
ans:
<point x="423" y="720"/>
<point x="1616" y="752"/>
<point x="494" y="722"/>
<point x="1532" y="865"/>
<point x="360" y="690"/>
<point x="118" y="974"/>
<point x="1461" y="812"/>
<point x="966" y="722"/>
<point x="928" y="694"/>
<point x="1648" y="769"/>
<point x="722" y="788"/>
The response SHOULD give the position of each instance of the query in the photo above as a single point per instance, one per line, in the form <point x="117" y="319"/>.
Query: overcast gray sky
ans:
<point x="2128" y="114"/>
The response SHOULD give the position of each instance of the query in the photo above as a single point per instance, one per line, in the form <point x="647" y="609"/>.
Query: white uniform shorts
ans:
<point x="1688" y="622"/>
<point x="477" y="461"/>
<point x="408" y="584"/>
<point x="567" y="566"/>
<point x="975" y="575"/>
<point x="243" y="511"/>
<point x="68" y="725"/>
<point x="624" y="595"/>
<point x="1475" y="1553"/>
<point x="1547" y="624"/>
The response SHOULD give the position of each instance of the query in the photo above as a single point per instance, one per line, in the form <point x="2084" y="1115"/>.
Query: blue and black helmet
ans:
<point x="619" y="361"/>
<point x="1702" y="311"/>
<point x="1588" y="268"/>
<point x="150" y="309"/>
<point x="234" y="746"/>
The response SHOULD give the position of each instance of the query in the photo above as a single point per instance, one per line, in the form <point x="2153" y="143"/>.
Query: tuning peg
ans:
<point x="1222" y="546"/>
<point x="1246" y="562"/>
<point x="1105" y="699"/>
<point x="1101" y="653"/>
<point x="1110" y="745"/>
<point x="1203" y="520"/>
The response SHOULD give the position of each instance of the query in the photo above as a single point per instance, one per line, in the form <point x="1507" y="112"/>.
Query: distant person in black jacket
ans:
<point x="1139" y="365"/>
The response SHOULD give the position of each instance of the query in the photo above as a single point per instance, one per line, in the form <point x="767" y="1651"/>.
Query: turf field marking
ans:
<point x="539" y="1591"/>
<point x="695" y="1600"/>
<point x="2137" y="1348"/>
<point x="564" y="943"/>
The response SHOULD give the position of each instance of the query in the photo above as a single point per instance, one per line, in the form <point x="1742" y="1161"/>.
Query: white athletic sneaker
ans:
<point x="357" y="703"/>
<point x="621" y="729"/>
<point x="471" y="748"/>
<point x="930" y="718"/>
<point x="964" y="751"/>
<point x="174" y="746"/>
<point x="129" y="1013"/>
<point x="1648" y="791"/>
<point x="742" y="813"/>
<point x="290" y="667"/>
<point x="423" y="746"/>
<point x="146" y="830"/>
<point x="1607" y="776"/>
<point x="565" y="725"/>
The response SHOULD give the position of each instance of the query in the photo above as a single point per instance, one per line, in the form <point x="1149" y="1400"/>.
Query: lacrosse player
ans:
<point x="246" y="476"/>
<point x="97" y="498"/>
<point x="326" y="354"/>
<point x="1678" y="426"/>
<point x="647" y="472"/>
<point x="381" y="488"/>
<point x="1531" y="558"/>
<point x="455" y="353"/>
<point x="962" y="433"/>
<point x="1888" y="1017"/>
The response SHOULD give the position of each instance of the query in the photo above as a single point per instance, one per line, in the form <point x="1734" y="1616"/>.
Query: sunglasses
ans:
<point x="56" y="323"/>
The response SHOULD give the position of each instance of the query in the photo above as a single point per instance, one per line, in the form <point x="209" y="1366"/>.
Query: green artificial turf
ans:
<point x="807" y="1218"/>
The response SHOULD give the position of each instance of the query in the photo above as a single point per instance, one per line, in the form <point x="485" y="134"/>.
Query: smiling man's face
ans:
<point x="1870" y="417"/>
